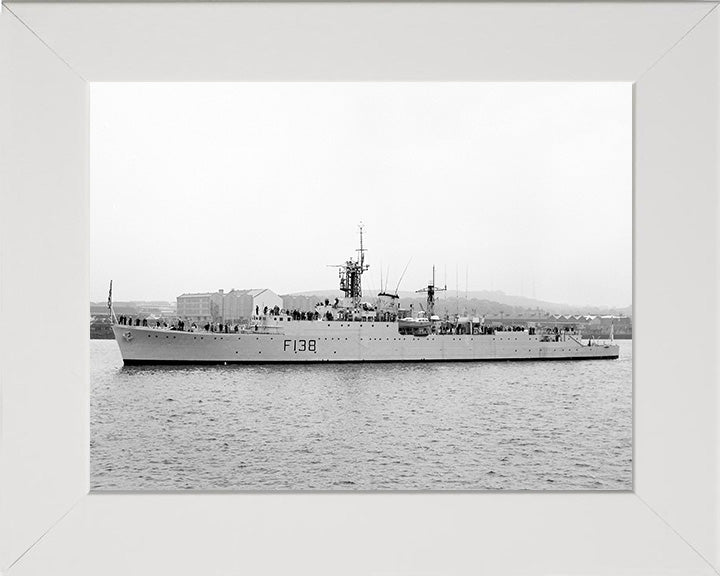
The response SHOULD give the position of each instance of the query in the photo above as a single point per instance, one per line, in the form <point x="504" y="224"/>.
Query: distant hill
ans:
<point x="481" y="301"/>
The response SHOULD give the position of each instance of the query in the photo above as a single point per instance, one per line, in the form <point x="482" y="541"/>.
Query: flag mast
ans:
<point x="113" y="319"/>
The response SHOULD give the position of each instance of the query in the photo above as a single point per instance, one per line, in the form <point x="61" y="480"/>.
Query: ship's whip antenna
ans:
<point x="457" y="290"/>
<point x="402" y="276"/>
<point x="467" y="268"/>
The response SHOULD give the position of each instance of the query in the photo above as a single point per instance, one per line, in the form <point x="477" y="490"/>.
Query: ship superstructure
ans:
<point x="351" y="329"/>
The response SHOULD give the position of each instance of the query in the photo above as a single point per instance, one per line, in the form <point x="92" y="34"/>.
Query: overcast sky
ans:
<point x="196" y="187"/>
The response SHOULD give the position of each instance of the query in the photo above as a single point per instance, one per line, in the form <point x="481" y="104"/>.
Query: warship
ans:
<point x="351" y="329"/>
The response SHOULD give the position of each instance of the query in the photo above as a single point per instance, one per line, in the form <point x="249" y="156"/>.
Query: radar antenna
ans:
<point x="431" y="289"/>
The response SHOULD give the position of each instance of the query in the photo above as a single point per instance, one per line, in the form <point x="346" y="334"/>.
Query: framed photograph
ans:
<point x="374" y="288"/>
<point x="510" y="371"/>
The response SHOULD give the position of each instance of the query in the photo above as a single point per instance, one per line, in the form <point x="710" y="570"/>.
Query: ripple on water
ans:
<point x="464" y="426"/>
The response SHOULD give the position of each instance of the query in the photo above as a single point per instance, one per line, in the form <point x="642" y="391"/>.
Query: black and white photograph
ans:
<point x="361" y="286"/>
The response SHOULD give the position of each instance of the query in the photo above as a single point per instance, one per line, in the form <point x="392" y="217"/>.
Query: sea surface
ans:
<point x="436" y="426"/>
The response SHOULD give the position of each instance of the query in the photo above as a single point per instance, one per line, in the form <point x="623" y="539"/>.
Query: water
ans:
<point x="456" y="426"/>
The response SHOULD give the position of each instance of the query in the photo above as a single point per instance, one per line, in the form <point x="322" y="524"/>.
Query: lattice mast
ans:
<point x="430" y="289"/>
<point x="351" y="274"/>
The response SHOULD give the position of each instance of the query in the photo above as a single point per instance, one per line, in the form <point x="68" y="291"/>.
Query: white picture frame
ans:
<point x="50" y="523"/>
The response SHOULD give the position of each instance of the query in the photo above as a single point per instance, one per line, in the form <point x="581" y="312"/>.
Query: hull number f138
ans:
<point x="300" y="346"/>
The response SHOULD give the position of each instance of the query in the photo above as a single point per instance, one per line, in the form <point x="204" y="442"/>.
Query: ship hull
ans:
<point x="302" y="342"/>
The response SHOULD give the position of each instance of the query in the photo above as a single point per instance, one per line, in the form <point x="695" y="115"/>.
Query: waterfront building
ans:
<point x="240" y="305"/>
<point x="236" y="306"/>
<point x="201" y="306"/>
